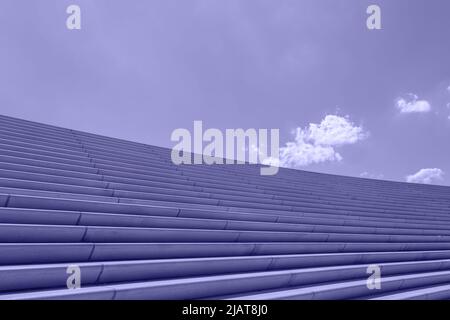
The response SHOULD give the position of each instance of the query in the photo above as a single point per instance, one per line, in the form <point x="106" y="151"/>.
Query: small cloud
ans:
<point x="426" y="176"/>
<point x="448" y="89"/>
<point x="368" y="175"/>
<point x="317" y="143"/>
<point x="412" y="104"/>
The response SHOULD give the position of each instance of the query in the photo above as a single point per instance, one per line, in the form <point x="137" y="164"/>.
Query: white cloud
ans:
<point x="369" y="175"/>
<point x="427" y="176"/>
<point x="412" y="104"/>
<point x="316" y="143"/>
<point x="335" y="131"/>
<point x="302" y="153"/>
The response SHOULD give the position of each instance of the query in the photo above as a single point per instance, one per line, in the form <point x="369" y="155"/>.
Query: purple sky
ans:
<point x="140" y="69"/>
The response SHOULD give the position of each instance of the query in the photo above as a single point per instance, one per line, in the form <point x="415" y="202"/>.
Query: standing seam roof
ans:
<point x="139" y="227"/>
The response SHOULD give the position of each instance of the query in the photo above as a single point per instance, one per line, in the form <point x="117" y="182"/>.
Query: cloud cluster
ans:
<point x="412" y="104"/>
<point x="448" y="104"/>
<point x="426" y="176"/>
<point x="317" y="142"/>
<point x="369" y="175"/>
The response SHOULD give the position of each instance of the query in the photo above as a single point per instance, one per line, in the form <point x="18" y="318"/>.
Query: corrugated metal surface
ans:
<point x="140" y="227"/>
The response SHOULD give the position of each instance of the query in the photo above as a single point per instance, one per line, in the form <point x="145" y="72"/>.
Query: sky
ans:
<point x="347" y="100"/>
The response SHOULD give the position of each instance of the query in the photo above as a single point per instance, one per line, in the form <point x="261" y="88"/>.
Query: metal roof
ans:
<point x="140" y="227"/>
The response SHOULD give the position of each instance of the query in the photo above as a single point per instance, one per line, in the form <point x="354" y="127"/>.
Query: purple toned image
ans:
<point x="225" y="150"/>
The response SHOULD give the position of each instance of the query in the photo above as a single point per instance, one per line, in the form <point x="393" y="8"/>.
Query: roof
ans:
<point x="139" y="227"/>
